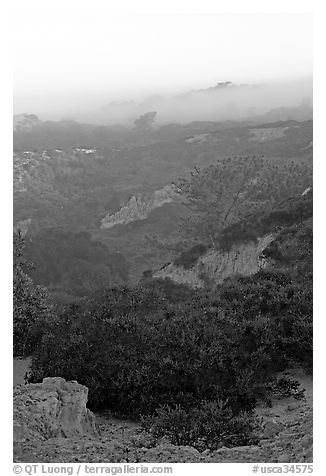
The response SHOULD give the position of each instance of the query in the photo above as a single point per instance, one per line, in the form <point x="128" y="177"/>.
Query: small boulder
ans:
<point x="206" y="452"/>
<point x="306" y="442"/>
<point x="271" y="429"/>
<point x="285" y="458"/>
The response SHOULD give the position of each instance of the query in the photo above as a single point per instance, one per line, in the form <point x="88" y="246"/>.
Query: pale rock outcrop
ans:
<point x="53" y="408"/>
<point x="139" y="207"/>
<point x="242" y="259"/>
<point x="198" y="138"/>
<point x="263" y="134"/>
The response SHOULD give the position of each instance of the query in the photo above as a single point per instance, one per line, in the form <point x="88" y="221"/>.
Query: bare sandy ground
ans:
<point x="124" y="441"/>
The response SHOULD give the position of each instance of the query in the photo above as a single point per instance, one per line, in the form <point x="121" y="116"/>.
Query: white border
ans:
<point x="167" y="7"/>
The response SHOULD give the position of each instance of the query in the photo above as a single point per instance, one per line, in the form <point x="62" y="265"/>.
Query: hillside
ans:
<point x="77" y="188"/>
<point x="221" y="374"/>
<point x="201" y="361"/>
<point x="246" y="253"/>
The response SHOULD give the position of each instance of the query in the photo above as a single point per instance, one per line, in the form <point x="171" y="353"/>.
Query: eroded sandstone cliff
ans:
<point x="139" y="207"/>
<point x="215" y="266"/>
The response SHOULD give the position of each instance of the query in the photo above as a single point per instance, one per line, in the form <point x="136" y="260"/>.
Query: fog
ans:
<point x="73" y="61"/>
<point x="218" y="102"/>
<point x="224" y="101"/>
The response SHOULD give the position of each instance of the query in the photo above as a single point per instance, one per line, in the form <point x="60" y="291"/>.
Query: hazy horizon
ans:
<point x="72" y="61"/>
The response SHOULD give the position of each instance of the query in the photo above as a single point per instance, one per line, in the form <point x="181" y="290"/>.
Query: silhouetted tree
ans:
<point x="145" y="121"/>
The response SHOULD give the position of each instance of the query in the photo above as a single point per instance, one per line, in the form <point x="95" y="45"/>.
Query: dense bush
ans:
<point x="133" y="363"/>
<point x="32" y="307"/>
<point x="208" y="426"/>
<point x="283" y="302"/>
<point x="293" y="250"/>
<point x="167" y="289"/>
<point x="286" y="387"/>
<point x="172" y="354"/>
<point x="73" y="262"/>
<point x="135" y="350"/>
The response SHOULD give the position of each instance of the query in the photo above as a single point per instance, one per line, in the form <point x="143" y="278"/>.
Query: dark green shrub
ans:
<point x="32" y="306"/>
<point x="167" y="289"/>
<point x="290" y="212"/>
<point x="73" y="262"/>
<point x="210" y="425"/>
<point x="138" y="349"/>
<point x="286" y="387"/>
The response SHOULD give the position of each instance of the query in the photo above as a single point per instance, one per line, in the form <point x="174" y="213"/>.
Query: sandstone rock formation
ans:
<point x="242" y="259"/>
<point x="53" y="408"/>
<point x="139" y="207"/>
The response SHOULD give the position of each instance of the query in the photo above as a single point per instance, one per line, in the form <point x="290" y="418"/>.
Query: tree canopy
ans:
<point x="235" y="189"/>
<point x="145" y="121"/>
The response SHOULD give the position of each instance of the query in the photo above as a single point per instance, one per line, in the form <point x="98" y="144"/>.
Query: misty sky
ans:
<point x="64" y="53"/>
